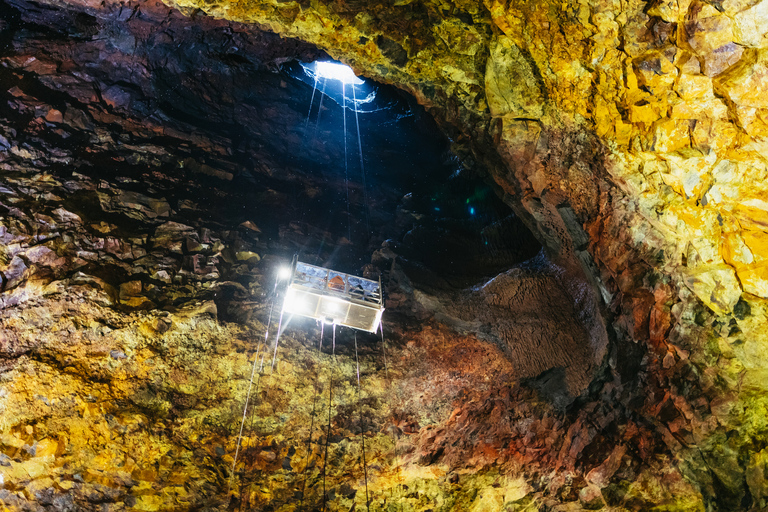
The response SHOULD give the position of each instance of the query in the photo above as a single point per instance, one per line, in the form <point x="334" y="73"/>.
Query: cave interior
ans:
<point x="550" y="340"/>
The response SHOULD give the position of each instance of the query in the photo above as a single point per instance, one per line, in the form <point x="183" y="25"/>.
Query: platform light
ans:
<point x="304" y="297"/>
<point x="297" y="305"/>
<point x="284" y="273"/>
<point x="336" y="71"/>
<point x="333" y="306"/>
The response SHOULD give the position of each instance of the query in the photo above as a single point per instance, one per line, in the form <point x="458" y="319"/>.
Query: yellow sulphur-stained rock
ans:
<point x="48" y="447"/>
<point x="751" y="26"/>
<point x="149" y="503"/>
<point x="247" y="256"/>
<point x="20" y="472"/>
<point x="510" y="84"/>
<point x="716" y="286"/>
<point x="757" y="475"/>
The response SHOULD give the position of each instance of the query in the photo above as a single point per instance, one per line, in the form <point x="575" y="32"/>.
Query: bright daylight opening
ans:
<point x="336" y="71"/>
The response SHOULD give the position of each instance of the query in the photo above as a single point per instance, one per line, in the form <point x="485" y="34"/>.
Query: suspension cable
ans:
<point x="306" y="140"/>
<point x="394" y="435"/>
<point x="362" y="432"/>
<point x="312" y="419"/>
<point x="330" y="404"/>
<point x="311" y="102"/>
<point x="277" y="340"/>
<point x="272" y="368"/>
<point x="319" y="109"/>
<point x="250" y="430"/>
<point x="250" y="385"/>
<point x="384" y="351"/>
<point x="242" y="422"/>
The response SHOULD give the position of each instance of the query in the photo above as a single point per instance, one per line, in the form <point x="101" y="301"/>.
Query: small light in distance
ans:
<point x="284" y="273"/>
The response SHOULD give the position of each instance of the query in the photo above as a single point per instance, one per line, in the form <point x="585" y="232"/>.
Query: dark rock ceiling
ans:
<point x="204" y="103"/>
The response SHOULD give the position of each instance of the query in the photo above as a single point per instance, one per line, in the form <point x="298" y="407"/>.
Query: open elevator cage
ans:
<point x="333" y="297"/>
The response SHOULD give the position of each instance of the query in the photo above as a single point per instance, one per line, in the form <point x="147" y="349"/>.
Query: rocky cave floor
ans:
<point x="148" y="195"/>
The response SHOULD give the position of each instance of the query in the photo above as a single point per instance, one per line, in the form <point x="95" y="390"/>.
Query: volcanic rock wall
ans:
<point x="127" y="342"/>
<point x="628" y="136"/>
<point x="136" y="205"/>
<point x="632" y="136"/>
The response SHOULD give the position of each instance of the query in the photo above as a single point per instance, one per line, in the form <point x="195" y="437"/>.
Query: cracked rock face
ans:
<point x="151" y="183"/>
<point x="631" y="138"/>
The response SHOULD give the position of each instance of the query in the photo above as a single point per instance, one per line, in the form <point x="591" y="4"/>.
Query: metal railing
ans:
<point x="339" y="284"/>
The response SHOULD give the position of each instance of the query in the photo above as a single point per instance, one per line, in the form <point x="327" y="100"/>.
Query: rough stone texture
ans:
<point x="647" y="122"/>
<point x="135" y="296"/>
<point x="125" y="391"/>
<point x="631" y="139"/>
<point x="546" y="332"/>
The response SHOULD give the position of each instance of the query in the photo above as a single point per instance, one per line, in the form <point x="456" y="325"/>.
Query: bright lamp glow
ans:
<point x="284" y="272"/>
<point x="333" y="306"/>
<point x="335" y="71"/>
<point x="296" y="305"/>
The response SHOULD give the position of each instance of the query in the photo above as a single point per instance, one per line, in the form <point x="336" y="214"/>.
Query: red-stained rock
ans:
<point x="641" y="305"/>
<point x="54" y="116"/>
<point x="659" y="323"/>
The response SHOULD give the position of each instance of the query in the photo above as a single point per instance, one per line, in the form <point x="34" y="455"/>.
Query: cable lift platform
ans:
<point x="333" y="297"/>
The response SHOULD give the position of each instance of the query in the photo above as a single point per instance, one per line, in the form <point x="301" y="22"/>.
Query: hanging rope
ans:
<point x="320" y="109"/>
<point x="242" y="423"/>
<point x="312" y="420"/>
<point x="271" y="372"/>
<point x="384" y="351"/>
<point x="277" y="340"/>
<point x="260" y="373"/>
<point x="306" y="140"/>
<point x="244" y="483"/>
<point x="330" y="404"/>
<point x="263" y="345"/>
<point x="311" y="101"/>
<point x="250" y="385"/>
<point x="362" y="432"/>
<point x="394" y="435"/>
